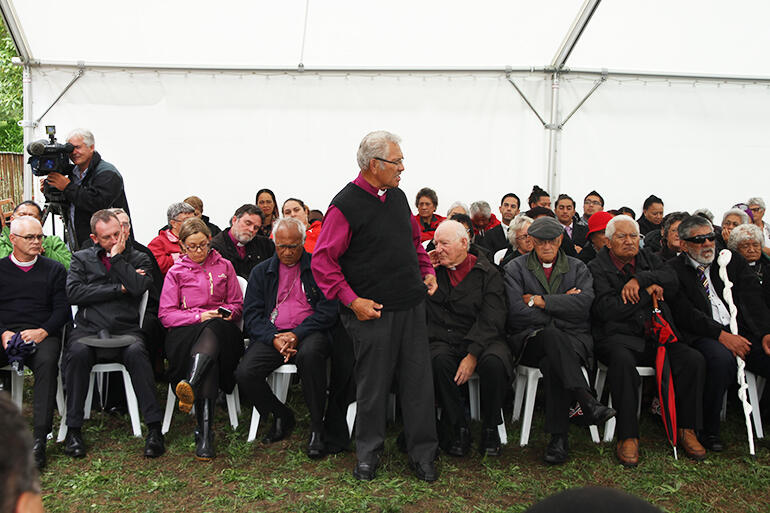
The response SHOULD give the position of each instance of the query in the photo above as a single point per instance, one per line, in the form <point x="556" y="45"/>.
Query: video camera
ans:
<point x="48" y="156"/>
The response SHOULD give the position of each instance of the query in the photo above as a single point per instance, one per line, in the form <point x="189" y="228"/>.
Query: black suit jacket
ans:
<point x="494" y="240"/>
<point x="692" y="309"/>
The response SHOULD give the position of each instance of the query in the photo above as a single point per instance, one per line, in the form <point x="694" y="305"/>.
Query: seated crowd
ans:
<point x="546" y="287"/>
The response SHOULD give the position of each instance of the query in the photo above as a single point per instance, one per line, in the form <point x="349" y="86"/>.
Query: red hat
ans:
<point x="598" y="222"/>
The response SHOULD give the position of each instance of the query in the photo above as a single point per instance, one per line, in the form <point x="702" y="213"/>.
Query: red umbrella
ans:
<point x="665" y="335"/>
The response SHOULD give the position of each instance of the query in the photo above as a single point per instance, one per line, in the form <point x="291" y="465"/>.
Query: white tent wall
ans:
<point x="223" y="136"/>
<point x="693" y="145"/>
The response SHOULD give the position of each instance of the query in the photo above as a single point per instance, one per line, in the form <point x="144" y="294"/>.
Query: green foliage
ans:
<point x="11" y="107"/>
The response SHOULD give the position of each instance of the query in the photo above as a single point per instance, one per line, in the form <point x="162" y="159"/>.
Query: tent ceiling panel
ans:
<point x="684" y="36"/>
<point x="345" y="33"/>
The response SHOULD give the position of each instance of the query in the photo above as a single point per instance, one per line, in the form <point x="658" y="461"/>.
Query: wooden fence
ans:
<point x="11" y="180"/>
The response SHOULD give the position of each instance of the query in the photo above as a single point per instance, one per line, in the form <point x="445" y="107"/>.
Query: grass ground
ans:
<point x="280" y="478"/>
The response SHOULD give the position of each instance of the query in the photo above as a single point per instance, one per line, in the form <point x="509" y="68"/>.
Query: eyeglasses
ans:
<point x="756" y="209"/>
<point x="541" y="242"/>
<point x="288" y="246"/>
<point x="398" y="162"/>
<point x="522" y="237"/>
<point x="30" y="238"/>
<point x="700" y="239"/>
<point x="592" y="202"/>
<point x="193" y="248"/>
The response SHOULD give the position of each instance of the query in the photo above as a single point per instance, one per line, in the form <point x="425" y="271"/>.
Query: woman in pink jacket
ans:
<point x="200" y="304"/>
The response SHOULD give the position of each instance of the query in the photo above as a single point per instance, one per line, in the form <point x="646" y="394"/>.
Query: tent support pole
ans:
<point x="577" y="107"/>
<point x="78" y="74"/>
<point x="523" y="97"/>
<point x="28" y="129"/>
<point x="554" y="130"/>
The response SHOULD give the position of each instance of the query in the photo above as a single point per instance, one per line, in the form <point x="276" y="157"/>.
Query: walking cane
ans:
<point x="724" y="258"/>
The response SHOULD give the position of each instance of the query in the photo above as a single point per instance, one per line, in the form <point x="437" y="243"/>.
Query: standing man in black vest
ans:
<point x="369" y="257"/>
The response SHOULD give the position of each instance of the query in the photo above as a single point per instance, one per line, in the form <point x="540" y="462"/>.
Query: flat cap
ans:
<point x="545" y="228"/>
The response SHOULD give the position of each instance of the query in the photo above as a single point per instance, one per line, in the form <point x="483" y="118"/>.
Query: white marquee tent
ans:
<point x="222" y="99"/>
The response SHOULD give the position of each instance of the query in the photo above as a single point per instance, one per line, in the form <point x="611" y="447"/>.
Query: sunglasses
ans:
<point x="700" y="239"/>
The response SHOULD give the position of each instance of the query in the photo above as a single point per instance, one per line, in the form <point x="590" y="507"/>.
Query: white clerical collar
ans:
<point x="381" y="192"/>
<point x="23" y="264"/>
<point x="547" y="266"/>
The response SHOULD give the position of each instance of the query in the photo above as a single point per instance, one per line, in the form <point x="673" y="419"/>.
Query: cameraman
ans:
<point x="93" y="184"/>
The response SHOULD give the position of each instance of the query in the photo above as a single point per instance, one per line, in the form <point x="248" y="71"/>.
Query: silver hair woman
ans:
<point x="458" y="207"/>
<point x="375" y="146"/>
<point x="732" y="218"/>
<point x="747" y="240"/>
<point x="517" y="233"/>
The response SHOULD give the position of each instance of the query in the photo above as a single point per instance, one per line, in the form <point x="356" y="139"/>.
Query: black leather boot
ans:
<point x="204" y="436"/>
<point x="185" y="389"/>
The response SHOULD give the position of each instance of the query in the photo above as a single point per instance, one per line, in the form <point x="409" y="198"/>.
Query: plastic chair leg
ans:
<point x="751" y="380"/>
<point x="518" y="396"/>
<point x="89" y="397"/>
<point x="169" y="412"/>
<point x="350" y="417"/>
<point x="62" y="405"/>
<point x="529" y="408"/>
<point x="232" y="410"/>
<point x="133" y="404"/>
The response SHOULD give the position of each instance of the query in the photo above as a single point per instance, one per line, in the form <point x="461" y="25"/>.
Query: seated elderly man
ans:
<point x="483" y="218"/>
<point x="748" y="241"/>
<point x="466" y="332"/>
<point x="549" y="298"/>
<point x="53" y="247"/>
<point x="625" y="281"/>
<point x="702" y="315"/>
<point x="165" y="246"/>
<point x="288" y="319"/>
<point x="242" y="244"/>
<point x="34" y="306"/>
<point x="107" y="282"/>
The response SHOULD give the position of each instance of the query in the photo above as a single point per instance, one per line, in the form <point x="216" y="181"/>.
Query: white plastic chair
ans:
<point x="17" y="394"/>
<point x="100" y="369"/>
<point x="350" y="416"/>
<point x="601" y="377"/>
<point x="526" y="382"/>
<point x="756" y="386"/>
<point x="474" y="394"/>
<point x="279" y="381"/>
<point x="232" y="408"/>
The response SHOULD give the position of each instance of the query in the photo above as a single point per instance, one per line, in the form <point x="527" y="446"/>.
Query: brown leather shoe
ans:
<point x="690" y="444"/>
<point x="628" y="452"/>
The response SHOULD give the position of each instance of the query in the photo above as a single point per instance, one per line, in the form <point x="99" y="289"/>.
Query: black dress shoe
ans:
<point x="557" y="450"/>
<point x="425" y="471"/>
<point x="281" y="428"/>
<point x="712" y="443"/>
<point x="490" y="442"/>
<point x="597" y="413"/>
<point x="38" y="451"/>
<point x="461" y="443"/>
<point x="364" y="471"/>
<point x="154" y="444"/>
<point x="74" y="445"/>
<point x="316" y="448"/>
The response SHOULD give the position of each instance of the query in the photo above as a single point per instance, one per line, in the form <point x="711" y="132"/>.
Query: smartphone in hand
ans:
<point x="224" y="312"/>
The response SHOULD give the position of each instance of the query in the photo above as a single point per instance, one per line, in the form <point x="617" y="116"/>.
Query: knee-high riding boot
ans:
<point x="187" y="388"/>
<point x="204" y="436"/>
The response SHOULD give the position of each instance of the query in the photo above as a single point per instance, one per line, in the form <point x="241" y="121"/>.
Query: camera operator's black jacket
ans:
<point x="102" y="187"/>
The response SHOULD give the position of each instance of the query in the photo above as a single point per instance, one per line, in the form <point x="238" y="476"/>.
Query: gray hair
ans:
<point x="481" y="207"/>
<point x="704" y="212"/>
<point x="290" y="222"/>
<point x="19" y="222"/>
<point x="609" y="231"/>
<point x="756" y="201"/>
<point x="736" y="212"/>
<point x="744" y="232"/>
<point x="460" y="230"/>
<point x="374" y="144"/>
<point x="457" y="204"/>
<point x="178" y="208"/>
<point x="689" y="224"/>
<point x="88" y="137"/>
<point x="517" y="224"/>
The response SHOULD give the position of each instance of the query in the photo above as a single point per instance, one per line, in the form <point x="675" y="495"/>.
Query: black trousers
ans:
<point x="77" y="361"/>
<point x="688" y="370"/>
<point x="260" y="360"/>
<point x="552" y="351"/>
<point x="395" y="345"/>
<point x="45" y="365"/>
<point x="721" y="372"/>
<point x="493" y="384"/>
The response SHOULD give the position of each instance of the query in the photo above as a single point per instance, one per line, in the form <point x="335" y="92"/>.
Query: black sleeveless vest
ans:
<point x="381" y="261"/>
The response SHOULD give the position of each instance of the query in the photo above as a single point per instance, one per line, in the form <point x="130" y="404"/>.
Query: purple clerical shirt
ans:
<point x="334" y="242"/>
